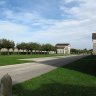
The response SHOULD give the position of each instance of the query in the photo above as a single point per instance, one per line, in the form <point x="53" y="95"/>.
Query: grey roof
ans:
<point x="93" y="35"/>
<point x="62" y="44"/>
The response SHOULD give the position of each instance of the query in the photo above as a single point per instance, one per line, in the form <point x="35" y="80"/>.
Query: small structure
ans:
<point x="63" y="48"/>
<point x="6" y="86"/>
<point x="94" y="42"/>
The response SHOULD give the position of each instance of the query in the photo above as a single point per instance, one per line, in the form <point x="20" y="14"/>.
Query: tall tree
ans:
<point x="30" y="47"/>
<point x="27" y="47"/>
<point x="18" y="46"/>
<point x="23" y="46"/>
<point x="36" y="46"/>
<point x="0" y="45"/>
<point x="47" y="47"/>
<point x="8" y="44"/>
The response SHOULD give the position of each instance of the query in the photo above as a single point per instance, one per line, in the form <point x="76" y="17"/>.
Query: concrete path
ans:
<point x="47" y="58"/>
<point x="23" y="72"/>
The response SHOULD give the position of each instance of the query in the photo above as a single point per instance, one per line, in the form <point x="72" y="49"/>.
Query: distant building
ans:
<point x="94" y="42"/>
<point x="63" y="48"/>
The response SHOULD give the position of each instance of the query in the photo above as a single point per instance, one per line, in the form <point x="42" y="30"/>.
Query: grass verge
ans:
<point x="74" y="79"/>
<point x="13" y="59"/>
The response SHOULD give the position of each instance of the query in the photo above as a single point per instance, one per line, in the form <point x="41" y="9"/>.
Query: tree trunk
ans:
<point x="13" y="51"/>
<point x="27" y="52"/>
<point x="8" y="51"/>
<point x="23" y="52"/>
<point x="40" y="51"/>
<point x="0" y="51"/>
<point x="18" y="51"/>
<point x="35" y="51"/>
<point x="31" y="52"/>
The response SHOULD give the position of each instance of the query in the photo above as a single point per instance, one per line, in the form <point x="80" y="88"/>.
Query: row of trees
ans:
<point x="4" y="43"/>
<point x="81" y="51"/>
<point x="35" y="46"/>
<point x="9" y="44"/>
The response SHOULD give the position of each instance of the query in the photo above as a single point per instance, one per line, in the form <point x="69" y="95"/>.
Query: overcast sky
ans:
<point x="49" y="21"/>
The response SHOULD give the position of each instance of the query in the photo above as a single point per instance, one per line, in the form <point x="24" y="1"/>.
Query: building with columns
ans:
<point x="94" y="42"/>
<point x="63" y="48"/>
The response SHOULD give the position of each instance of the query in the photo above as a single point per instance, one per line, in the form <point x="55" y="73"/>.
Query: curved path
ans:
<point x="23" y="72"/>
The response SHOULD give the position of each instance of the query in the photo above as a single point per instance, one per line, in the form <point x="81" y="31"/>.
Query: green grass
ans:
<point x="74" y="79"/>
<point x="14" y="59"/>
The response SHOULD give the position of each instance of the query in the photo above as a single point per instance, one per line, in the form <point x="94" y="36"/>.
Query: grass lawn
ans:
<point x="13" y="59"/>
<point x="75" y="79"/>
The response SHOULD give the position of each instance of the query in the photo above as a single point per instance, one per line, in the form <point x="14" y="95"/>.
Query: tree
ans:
<point x="8" y="44"/>
<point x="18" y="46"/>
<point x="0" y="45"/>
<point x="47" y="47"/>
<point x="53" y="48"/>
<point x="22" y="46"/>
<point x="76" y="51"/>
<point x="90" y="51"/>
<point x="36" y="46"/>
<point x="30" y="47"/>
<point x="27" y="47"/>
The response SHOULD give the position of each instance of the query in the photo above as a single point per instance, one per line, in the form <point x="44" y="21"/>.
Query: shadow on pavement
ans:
<point x="62" y="61"/>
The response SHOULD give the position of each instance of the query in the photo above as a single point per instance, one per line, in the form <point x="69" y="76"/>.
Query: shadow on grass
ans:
<point x="85" y="65"/>
<point x="54" y="89"/>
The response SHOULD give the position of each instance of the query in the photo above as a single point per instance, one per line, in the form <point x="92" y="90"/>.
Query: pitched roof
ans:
<point x="93" y="35"/>
<point x="62" y="44"/>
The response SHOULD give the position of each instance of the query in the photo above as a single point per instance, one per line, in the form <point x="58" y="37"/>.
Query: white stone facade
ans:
<point x="63" y="49"/>
<point x="94" y="46"/>
<point x="94" y="42"/>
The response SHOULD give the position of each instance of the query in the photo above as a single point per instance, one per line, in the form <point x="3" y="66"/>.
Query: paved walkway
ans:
<point x="47" y="58"/>
<point x="23" y="72"/>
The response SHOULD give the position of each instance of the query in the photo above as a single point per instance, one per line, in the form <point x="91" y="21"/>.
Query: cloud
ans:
<point x="21" y="16"/>
<point x="6" y="26"/>
<point x="84" y="10"/>
<point x="12" y="30"/>
<point x="73" y="32"/>
<point x="31" y="26"/>
<point x="28" y="18"/>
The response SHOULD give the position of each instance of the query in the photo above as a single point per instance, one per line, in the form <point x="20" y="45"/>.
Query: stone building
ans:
<point x="94" y="42"/>
<point x="63" y="48"/>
